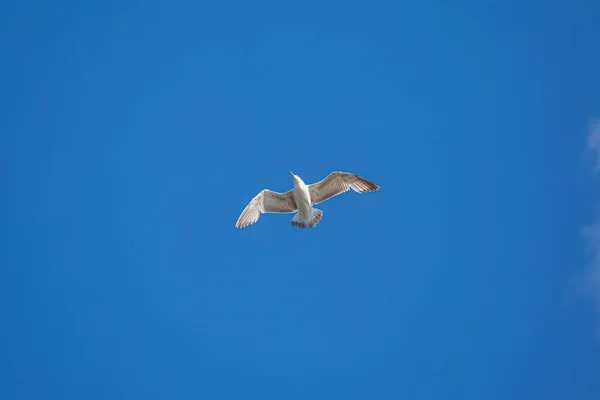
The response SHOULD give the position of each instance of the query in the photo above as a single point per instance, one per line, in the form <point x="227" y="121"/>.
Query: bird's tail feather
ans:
<point x="297" y="222"/>
<point x="316" y="217"/>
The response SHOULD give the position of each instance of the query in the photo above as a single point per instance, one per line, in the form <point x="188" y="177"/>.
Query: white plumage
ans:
<point x="302" y="198"/>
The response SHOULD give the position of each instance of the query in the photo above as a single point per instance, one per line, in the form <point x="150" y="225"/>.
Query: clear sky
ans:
<point x="133" y="133"/>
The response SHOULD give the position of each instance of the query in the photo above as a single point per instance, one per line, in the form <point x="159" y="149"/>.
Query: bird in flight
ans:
<point x="302" y="197"/>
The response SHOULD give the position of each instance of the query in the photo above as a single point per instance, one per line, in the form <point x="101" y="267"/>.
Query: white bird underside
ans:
<point x="268" y="201"/>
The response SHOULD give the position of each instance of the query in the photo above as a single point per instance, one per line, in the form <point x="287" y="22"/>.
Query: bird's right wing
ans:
<point x="337" y="183"/>
<point x="266" y="201"/>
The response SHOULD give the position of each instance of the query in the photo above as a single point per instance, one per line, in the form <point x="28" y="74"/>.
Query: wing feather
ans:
<point x="338" y="183"/>
<point x="266" y="201"/>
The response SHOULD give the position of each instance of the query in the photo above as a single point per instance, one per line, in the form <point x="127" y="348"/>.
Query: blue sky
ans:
<point x="134" y="133"/>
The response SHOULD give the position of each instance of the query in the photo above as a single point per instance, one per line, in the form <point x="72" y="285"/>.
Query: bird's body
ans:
<point x="302" y="198"/>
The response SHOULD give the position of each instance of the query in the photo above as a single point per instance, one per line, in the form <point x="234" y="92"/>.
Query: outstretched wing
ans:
<point x="266" y="201"/>
<point x="337" y="183"/>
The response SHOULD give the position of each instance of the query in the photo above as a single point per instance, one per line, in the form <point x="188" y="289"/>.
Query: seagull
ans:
<point x="302" y="197"/>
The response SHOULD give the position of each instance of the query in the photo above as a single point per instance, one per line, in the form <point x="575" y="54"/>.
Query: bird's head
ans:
<point x="296" y="178"/>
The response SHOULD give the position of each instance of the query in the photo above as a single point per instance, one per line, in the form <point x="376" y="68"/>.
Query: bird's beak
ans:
<point x="292" y="173"/>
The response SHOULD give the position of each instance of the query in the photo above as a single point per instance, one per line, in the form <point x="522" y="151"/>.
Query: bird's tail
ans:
<point x="316" y="216"/>
<point x="297" y="222"/>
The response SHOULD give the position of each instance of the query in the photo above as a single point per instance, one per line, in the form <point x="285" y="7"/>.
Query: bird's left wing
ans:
<point x="266" y="201"/>
<point x="339" y="182"/>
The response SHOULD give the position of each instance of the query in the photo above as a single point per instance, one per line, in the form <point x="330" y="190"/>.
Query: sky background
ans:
<point x="133" y="134"/>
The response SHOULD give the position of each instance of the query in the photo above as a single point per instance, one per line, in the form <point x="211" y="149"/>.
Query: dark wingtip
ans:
<point x="371" y="186"/>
